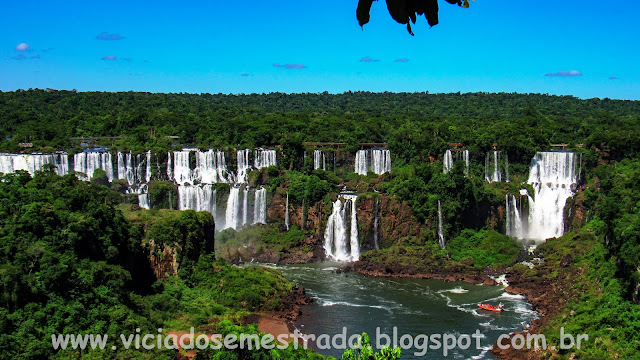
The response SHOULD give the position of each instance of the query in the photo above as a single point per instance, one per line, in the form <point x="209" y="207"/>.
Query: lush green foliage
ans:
<point x="485" y="247"/>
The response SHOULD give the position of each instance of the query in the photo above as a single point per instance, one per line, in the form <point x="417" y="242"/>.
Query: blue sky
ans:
<point x="233" y="47"/>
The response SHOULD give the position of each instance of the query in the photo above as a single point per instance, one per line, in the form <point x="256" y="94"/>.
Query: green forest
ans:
<point x="76" y="258"/>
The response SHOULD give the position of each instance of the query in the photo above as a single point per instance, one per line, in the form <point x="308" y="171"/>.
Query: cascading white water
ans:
<point x="447" y="162"/>
<point x="378" y="161"/>
<point x="338" y="244"/>
<point x="361" y="162"/>
<point x="169" y="167"/>
<point x="197" y="197"/>
<point x="286" y="213"/>
<point x="10" y="163"/>
<point x="88" y="161"/>
<point x="492" y="171"/>
<point x="440" y="231"/>
<point x="514" y="222"/>
<point x="245" y="206"/>
<point x="130" y="168"/>
<point x="182" y="173"/>
<point x="467" y="162"/>
<point x="319" y="160"/>
<point x="553" y="177"/>
<point x="260" y="207"/>
<point x="243" y="166"/>
<point x="210" y="167"/>
<point x="263" y="158"/>
<point x="232" y="213"/>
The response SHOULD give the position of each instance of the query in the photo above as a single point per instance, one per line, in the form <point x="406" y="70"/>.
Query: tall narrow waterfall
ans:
<point x="233" y="208"/>
<point x="378" y="161"/>
<point x="319" y="160"/>
<point x="514" y="222"/>
<point x="245" y="206"/>
<point x="169" y="167"/>
<point x="447" y="162"/>
<point x="182" y="173"/>
<point x="211" y="167"/>
<point x="264" y="158"/>
<point x="260" y="207"/>
<point x="88" y="161"/>
<point x="467" y="163"/>
<point x="440" y="232"/>
<point x="553" y="176"/>
<point x="339" y="244"/>
<point x="361" y="162"/>
<point x="10" y="163"/>
<point x="493" y="167"/>
<point x="286" y="212"/>
<point x="376" y="223"/>
<point x="243" y="166"/>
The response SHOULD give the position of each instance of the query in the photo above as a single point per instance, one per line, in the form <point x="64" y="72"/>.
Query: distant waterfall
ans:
<point x="494" y="167"/>
<point x="197" y="197"/>
<point x="319" y="160"/>
<point x="88" y="161"/>
<point x="10" y="163"/>
<point x="260" y="207"/>
<point x="376" y="223"/>
<point x="286" y="212"/>
<point x="553" y="176"/>
<point x="264" y="158"/>
<point x="361" y="163"/>
<point x="136" y="170"/>
<point x="440" y="232"/>
<point x="447" y="162"/>
<point x="339" y="244"/>
<point x="245" y="206"/>
<point x="243" y="166"/>
<point x="169" y="167"/>
<point x="467" y="163"/>
<point x="232" y="213"/>
<point x="211" y="167"/>
<point x="378" y="161"/>
<point x="514" y="222"/>
<point x="182" y="173"/>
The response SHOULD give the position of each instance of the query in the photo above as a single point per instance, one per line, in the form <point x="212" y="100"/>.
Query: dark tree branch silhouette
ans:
<point x="406" y="11"/>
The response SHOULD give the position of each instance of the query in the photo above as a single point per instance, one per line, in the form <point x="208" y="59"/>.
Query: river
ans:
<point x="414" y="306"/>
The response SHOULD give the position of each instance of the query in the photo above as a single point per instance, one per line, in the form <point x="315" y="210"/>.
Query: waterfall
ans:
<point x="319" y="160"/>
<point x="361" y="162"/>
<point x="376" y="223"/>
<point x="245" y="206"/>
<point x="233" y="208"/>
<point x="264" y="158"/>
<point x="260" y="207"/>
<point x="506" y="167"/>
<point x="447" y="162"/>
<point x="10" y="163"/>
<point x="242" y="175"/>
<point x="169" y="167"/>
<point x="197" y="197"/>
<point x="338" y="244"/>
<point x="211" y="167"/>
<point x="492" y="167"/>
<point x="129" y="168"/>
<point x="440" y="232"/>
<point x="88" y="161"/>
<point x="286" y="212"/>
<point x="378" y="161"/>
<point x="553" y="177"/>
<point x="182" y="173"/>
<point x="514" y="222"/>
<point x="465" y="156"/>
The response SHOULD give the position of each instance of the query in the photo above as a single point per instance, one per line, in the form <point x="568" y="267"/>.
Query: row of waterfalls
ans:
<point x="553" y="177"/>
<point x="496" y="165"/>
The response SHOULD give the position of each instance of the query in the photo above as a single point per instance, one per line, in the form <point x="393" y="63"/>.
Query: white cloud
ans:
<point x="22" y="47"/>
